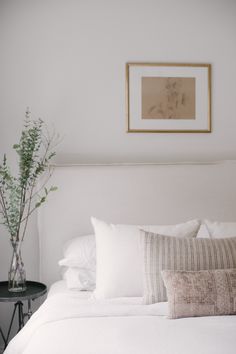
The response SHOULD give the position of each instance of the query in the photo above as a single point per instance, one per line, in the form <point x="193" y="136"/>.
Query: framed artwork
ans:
<point x="168" y="98"/>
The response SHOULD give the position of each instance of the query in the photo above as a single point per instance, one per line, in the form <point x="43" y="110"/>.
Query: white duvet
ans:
<point x="65" y="323"/>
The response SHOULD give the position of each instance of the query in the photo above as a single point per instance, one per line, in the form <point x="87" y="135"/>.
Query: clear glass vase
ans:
<point x="16" y="275"/>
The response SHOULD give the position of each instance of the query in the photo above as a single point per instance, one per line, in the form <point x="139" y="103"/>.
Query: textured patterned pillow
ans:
<point x="171" y="253"/>
<point x="201" y="293"/>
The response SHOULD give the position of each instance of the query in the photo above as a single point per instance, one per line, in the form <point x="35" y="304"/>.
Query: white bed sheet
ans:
<point x="70" y="323"/>
<point x="59" y="287"/>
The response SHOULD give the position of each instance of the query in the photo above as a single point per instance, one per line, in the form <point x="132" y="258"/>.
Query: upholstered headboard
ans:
<point x="134" y="194"/>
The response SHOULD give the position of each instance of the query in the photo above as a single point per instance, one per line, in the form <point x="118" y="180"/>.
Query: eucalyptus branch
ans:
<point x="36" y="193"/>
<point x="39" y="203"/>
<point x="22" y="208"/>
<point x="28" y="213"/>
<point x="4" y="209"/>
<point x="35" y="152"/>
<point x="2" y="203"/>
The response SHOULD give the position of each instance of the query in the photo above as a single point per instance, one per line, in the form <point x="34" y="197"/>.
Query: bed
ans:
<point x="71" y="323"/>
<point x="74" y="321"/>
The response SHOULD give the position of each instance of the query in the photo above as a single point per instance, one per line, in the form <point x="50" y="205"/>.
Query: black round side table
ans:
<point x="34" y="290"/>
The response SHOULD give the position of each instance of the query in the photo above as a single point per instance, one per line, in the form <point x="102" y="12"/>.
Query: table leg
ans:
<point x="20" y="315"/>
<point x="29" y="309"/>
<point x="3" y="337"/>
<point x="18" y="305"/>
<point x="10" y="326"/>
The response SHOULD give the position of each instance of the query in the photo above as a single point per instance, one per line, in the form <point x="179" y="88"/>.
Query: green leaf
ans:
<point x="53" y="188"/>
<point x="34" y="151"/>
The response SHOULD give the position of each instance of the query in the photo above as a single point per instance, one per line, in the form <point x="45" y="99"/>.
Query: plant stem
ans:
<point x="4" y="209"/>
<point x="28" y="211"/>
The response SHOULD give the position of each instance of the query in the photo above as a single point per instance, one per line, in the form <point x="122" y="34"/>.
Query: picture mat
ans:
<point x="201" y="90"/>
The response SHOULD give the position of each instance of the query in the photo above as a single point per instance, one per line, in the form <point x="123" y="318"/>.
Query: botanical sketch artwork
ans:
<point x="168" y="98"/>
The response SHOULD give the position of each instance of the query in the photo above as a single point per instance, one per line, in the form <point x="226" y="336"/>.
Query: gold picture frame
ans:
<point x="168" y="97"/>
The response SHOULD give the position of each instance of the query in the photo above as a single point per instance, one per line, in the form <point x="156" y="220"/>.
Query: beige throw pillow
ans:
<point x="171" y="253"/>
<point x="201" y="293"/>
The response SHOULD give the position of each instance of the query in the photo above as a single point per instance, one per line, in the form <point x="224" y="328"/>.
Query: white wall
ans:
<point x="66" y="60"/>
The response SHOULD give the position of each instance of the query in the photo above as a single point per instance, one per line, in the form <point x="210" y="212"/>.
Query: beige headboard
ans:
<point x="134" y="194"/>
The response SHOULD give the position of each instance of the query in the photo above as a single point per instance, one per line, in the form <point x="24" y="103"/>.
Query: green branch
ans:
<point x="17" y="193"/>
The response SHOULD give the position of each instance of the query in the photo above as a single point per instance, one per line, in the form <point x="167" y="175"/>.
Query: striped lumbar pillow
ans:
<point x="171" y="253"/>
<point x="200" y="293"/>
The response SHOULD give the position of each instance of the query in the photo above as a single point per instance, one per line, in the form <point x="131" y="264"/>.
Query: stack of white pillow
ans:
<point x="79" y="263"/>
<point x="109" y="262"/>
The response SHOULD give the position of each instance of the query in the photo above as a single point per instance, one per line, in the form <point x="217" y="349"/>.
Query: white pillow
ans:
<point x="203" y="232"/>
<point x="80" y="252"/>
<point x="79" y="279"/>
<point x="218" y="229"/>
<point x="79" y="263"/>
<point x="119" y="269"/>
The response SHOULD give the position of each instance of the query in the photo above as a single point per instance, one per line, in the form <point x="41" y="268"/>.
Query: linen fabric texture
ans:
<point x="170" y="253"/>
<point x="200" y="293"/>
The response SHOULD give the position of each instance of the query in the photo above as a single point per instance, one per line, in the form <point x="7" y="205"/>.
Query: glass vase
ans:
<point x="16" y="275"/>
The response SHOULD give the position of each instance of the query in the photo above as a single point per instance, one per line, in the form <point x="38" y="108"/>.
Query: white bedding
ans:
<point x="59" y="287"/>
<point x="70" y="322"/>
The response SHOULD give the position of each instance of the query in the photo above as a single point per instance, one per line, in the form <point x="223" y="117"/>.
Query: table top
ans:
<point x="33" y="290"/>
